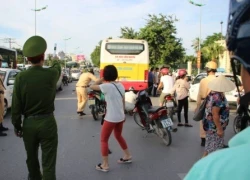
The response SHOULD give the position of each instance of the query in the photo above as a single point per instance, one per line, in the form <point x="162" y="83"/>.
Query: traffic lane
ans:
<point x="79" y="148"/>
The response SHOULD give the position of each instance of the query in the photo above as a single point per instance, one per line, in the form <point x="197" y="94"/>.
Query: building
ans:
<point x="224" y="59"/>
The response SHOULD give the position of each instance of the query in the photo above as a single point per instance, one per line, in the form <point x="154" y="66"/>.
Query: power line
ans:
<point x="9" y="41"/>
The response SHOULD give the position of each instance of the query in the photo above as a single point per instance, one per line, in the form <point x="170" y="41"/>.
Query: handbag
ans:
<point x="198" y="115"/>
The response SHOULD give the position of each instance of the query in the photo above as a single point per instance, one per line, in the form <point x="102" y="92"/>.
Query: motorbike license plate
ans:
<point x="170" y="104"/>
<point x="167" y="122"/>
<point x="91" y="101"/>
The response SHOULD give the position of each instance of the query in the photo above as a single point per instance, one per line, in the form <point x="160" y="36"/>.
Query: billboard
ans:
<point x="80" y="58"/>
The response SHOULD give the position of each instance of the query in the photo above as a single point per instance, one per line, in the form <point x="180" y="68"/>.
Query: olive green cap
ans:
<point x="34" y="46"/>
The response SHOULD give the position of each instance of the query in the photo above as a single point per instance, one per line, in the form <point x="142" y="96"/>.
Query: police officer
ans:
<point x="2" y="88"/>
<point x="211" y="68"/>
<point x="33" y="97"/>
<point x="82" y="91"/>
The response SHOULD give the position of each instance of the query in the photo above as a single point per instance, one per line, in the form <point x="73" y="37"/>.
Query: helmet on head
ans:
<point x="131" y="88"/>
<point x="238" y="13"/>
<point x="211" y="65"/>
<point x="182" y="72"/>
<point x="238" y="31"/>
<point x="164" y="71"/>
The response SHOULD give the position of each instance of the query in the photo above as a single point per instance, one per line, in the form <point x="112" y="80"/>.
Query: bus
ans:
<point x="9" y="57"/>
<point x="130" y="57"/>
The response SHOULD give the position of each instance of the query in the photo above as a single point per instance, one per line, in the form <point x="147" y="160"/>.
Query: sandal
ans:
<point x="188" y="125"/>
<point x="180" y="124"/>
<point x="100" y="168"/>
<point x="125" y="161"/>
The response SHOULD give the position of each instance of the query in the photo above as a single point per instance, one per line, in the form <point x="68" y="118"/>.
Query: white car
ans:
<point x="194" y="89"/>
<point x="76" y="74"/>
<point x="8" y="76"/>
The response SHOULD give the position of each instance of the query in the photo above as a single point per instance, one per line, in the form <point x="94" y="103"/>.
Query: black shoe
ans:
<point x="2" y="134"/>
<point x="81" y="113"/>
<point x="203" y="142"/>
<point x="2" y="128"/>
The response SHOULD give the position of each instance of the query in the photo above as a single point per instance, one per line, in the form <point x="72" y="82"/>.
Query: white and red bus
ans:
<point x="131" y="58"/>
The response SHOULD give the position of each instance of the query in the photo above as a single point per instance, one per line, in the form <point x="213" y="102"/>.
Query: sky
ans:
<point x="87" y="22"/>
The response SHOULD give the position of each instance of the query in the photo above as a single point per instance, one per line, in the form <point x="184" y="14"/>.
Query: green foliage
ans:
<point x="95" y="55"/>
<point x="164" y="46"/>
<point x="160" y="33"/>
<point x="211" y="39"/>
<point x="212" y="51"/>
<point x="128" y="33"/>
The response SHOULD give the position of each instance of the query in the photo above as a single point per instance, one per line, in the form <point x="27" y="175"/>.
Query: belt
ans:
<point x="83" y="86"/>
<point x="203" y="98"/>
<point x="38" y="116"/>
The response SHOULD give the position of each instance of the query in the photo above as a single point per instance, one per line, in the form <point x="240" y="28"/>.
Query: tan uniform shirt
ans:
<point x="203" y="89"/>
<point x="85" y="79"/>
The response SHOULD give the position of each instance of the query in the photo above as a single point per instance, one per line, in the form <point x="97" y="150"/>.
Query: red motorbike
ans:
<point x="153" y="119"/>
<point x="170" y="105"/>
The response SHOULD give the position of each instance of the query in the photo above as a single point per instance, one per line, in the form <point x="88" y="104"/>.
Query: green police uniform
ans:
<point x="33" y="97"/>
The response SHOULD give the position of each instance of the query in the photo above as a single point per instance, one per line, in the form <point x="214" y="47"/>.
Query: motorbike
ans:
<point x="97" y="104"/>
<point x="238" y="120"/>
<point x="153" y="119"/>
<point x="170" y="105"/>
<point x="65" y="80"/>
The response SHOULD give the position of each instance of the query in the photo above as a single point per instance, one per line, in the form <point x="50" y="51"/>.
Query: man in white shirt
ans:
<point x="167" y="83"/>
<point x="130" y="99"/>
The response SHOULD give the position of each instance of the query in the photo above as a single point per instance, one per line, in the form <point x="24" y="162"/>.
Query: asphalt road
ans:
<point x="79" y="148"/>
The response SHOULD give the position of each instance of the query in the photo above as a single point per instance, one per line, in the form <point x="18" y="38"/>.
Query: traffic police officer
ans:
<point x="2" y="88"/>
<point x="82" y="92"/>
<point x="33" y="97"/>
<point x="211" y="68"/>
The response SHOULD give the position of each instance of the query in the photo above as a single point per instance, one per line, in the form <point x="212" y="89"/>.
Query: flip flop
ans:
<point x="99" y="168"/>
<point x="124" y="161"/>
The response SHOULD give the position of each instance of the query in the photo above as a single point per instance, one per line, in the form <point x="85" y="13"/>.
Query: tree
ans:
<point x="195" y="44"/>
<point x="128" y="33"/>
<point x="211" y="39"/>
<point x="20" y="57"/>
<point x="164" y="46"/>
<point x="190" y="58"/>
<point x="95" y="55"/>
<point x="212" y="51"/>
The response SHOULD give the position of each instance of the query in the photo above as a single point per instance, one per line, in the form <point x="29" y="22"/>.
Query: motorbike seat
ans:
<point x="155" y="109"/>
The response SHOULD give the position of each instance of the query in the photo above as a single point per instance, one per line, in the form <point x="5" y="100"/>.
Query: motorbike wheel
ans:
<point x="137" y="119"/>
<point x="165" y="134"/>
<point x="237" y="124"/>
<point x="95" y="113"/>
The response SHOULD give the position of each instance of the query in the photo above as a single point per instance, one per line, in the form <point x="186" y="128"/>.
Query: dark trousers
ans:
<point x="150" y="87"/>
<point x="154" y="90"/>
<point x="41" y="131"/>
<point x="181" y="103"/>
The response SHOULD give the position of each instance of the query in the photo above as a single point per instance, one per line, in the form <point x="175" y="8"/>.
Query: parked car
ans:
<point x="75" y="73"/>
<point x="194" y="89"/>
<point x="8" y="77"/>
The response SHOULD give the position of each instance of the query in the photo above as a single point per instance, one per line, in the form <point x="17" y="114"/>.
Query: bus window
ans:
<point x="9" y="57"/>
<point x="124" y="48"/>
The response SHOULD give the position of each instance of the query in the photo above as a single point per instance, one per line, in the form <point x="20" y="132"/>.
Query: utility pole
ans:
<point x="9" y="40"/>
<point x="221" y="23"/>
